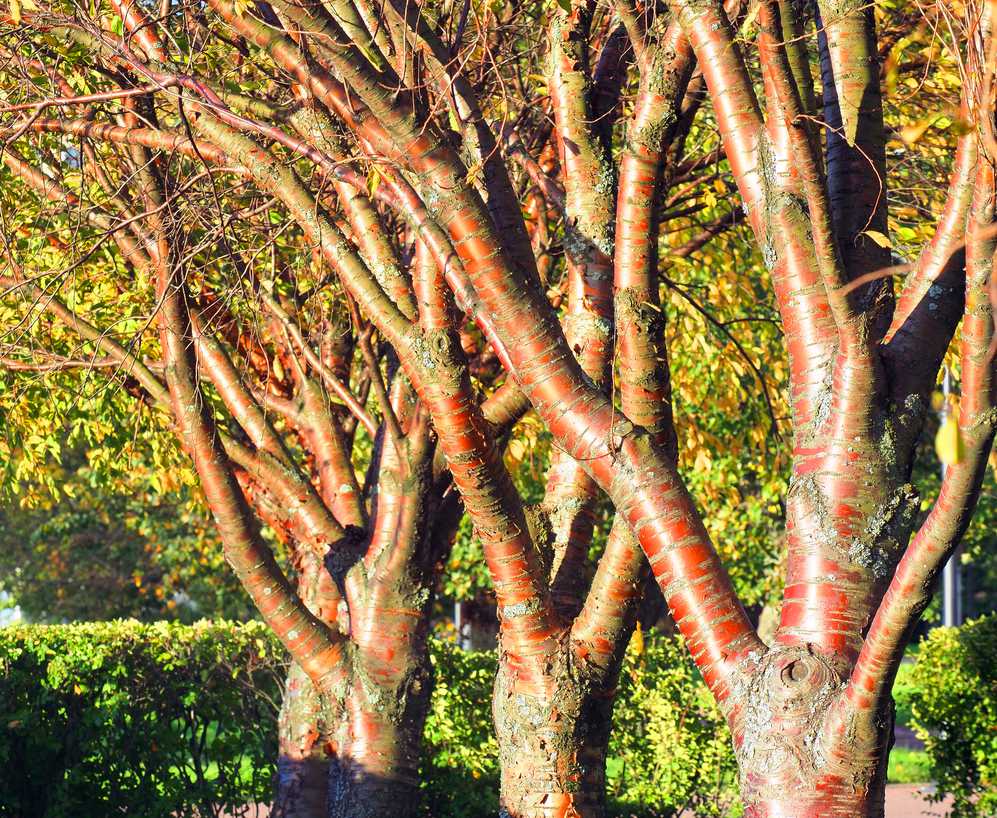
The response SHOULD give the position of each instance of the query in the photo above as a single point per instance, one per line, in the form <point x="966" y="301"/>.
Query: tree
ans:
<point x="109" y="554"/>
<point x="212" y="312"/>
<point x="283" y="431"/>
<point x="98" y="521"/>
<point x="389" y="89"/>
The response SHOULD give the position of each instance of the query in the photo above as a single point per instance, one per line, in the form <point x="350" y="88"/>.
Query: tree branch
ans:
<point x="910" y="590"/>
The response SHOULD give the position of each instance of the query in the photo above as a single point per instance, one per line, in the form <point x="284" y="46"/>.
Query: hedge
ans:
<point x="123" y="718"/>
<point x="162" y="720"/>
<point x="951" y="694"/>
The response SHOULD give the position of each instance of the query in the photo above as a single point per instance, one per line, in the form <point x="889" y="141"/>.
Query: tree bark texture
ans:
<point x="452" y="253"/>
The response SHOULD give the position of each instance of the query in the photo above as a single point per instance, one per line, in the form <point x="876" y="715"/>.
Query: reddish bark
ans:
<point x="441" y="242"/>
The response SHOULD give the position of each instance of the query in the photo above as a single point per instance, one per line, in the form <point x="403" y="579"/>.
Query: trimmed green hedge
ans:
<point x="121" y="718"/>
<point x="158" y="720"/>
<point x="952" y="697"/>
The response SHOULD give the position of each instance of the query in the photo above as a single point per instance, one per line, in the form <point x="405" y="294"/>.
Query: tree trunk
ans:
<point x="366" y="765"/>
<point x="835" y="799"/>
<point x="377" y="773"/>
<point x="791" y="763"/>
<point x="845" y="792"/>
<point x="552" y="745"/>
<point x="379" y="777"/>
<point x="303" y="765"/>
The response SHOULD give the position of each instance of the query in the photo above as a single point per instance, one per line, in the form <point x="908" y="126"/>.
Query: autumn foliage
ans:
<point x="339" y="249"/>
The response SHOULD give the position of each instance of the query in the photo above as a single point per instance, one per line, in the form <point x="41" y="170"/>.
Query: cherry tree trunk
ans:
<point x="791" y="764"/>
<point x="376" y="772"/>
<point x="552" y="744"/>
<point x="380" y="779"/>
<point x="353" y="750"/>
<point x="302" y="780"/>
<point x="359" y="757"/>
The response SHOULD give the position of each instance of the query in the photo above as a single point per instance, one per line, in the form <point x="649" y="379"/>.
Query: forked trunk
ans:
<point x="366" y="765"/>
<point x="552" y="746"/>
<point x="791" y="762"/>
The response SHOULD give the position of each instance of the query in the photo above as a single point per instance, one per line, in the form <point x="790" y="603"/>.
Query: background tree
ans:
<point x="810" y="714"/>
<point x="106" y="525"/>
<point x="108" y="555"/>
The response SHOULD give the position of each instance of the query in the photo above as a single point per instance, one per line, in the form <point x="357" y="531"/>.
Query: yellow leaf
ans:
<point x="473" y="173"/>
<point x="637" y="643"/>
<point x="15" y="11"/>
<point x="373" y="180"/>
<point x="703" y="461"/>
<point x="948" y="442"/>
<point x="911" y="133"/>
<point x="749" y="20"/>
<point x="880" y="239"/>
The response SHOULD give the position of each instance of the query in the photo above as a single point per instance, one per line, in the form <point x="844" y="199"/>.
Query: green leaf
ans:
<point x="373" y="180"/>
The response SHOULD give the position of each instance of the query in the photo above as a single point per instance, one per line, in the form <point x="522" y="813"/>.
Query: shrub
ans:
<point x="670" y="747"/>
<point x="953" y="703"/>
<point x="121" y="718"/>
<point x="460" y="772"/>
<point x="160" y="720"/>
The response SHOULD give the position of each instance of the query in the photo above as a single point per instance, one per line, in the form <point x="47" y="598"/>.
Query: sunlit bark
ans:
<point x="438" y="225"/>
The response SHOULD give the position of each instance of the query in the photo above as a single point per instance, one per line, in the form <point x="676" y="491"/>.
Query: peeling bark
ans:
<point x="433" y="241"/>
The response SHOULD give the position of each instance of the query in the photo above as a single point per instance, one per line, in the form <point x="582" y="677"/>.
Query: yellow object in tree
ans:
<point x="948" y="442"/>
<point x="637" y="642"/>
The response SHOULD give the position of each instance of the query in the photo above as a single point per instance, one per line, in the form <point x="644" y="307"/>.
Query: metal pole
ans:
<point x="458" y="622"/>
<point x="951" y="575"/>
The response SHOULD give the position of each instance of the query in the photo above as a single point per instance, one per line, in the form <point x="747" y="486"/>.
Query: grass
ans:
<point x="908" y="767"/>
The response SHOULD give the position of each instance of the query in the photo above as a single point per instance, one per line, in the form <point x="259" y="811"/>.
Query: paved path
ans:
<point x="907" y="801"/>
<point x="902" y="801"/>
